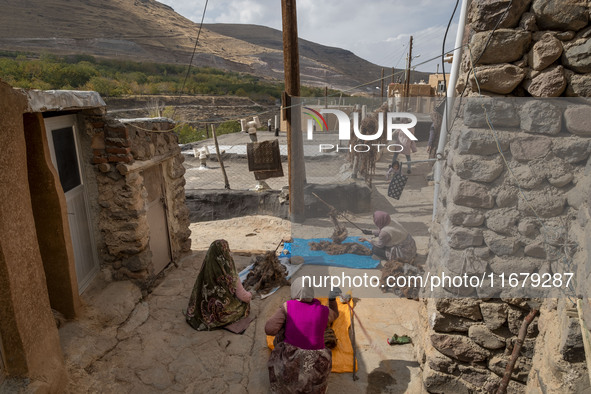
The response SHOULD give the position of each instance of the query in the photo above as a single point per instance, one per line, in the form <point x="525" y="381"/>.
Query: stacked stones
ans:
<point x="541" y="48"/>
<point x="484" y="225"/>
<point x="123" y="196"/>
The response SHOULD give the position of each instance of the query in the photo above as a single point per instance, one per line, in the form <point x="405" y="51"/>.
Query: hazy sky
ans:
<point x="376" y="30"/>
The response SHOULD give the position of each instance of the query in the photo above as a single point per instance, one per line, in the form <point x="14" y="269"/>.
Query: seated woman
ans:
<point x="393" y="242"/>
<point x="300" y="363"/>
<point x="218" y="297"/>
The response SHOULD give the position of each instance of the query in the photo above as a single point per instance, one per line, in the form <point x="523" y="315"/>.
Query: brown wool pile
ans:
<point x="266" y="274"/>
<point x="334" y="248"/>
<point x="395" y="268"/>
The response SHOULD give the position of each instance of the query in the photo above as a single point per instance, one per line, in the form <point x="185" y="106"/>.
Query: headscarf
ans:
<point x="381" y="219"/>
<point x="213" y="302"/>
<point x="301" y="291"/>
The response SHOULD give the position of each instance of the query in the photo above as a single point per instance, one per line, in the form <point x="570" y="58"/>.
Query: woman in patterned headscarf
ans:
<point x="392" y="241"/>
<point x="218" y="297"/>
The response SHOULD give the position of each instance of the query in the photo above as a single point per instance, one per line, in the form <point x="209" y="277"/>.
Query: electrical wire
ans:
<point x="192" y="55"/>
<point x="443" y="48"/>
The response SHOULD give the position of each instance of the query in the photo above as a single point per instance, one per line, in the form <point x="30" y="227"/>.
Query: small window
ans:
<point x="64" y="145"/>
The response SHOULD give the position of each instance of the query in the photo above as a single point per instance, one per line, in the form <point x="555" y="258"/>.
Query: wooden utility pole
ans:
<point x="326" y="97"/>
<point x="392" y="76"/>
<point x="295" y="143"/>
<point x="217" y="151"/>
<point x="382" y="80"/>
<point x="407" y="76"/>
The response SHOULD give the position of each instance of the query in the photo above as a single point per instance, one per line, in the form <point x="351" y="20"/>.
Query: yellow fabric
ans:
<point x="342" y="354"/>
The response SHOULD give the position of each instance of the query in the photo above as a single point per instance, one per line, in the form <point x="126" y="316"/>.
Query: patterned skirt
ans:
<point x="406" y="251"/>
<point x="293" y="370"/>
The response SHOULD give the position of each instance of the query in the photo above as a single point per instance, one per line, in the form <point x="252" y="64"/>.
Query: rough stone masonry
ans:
<point x="527" y="214"/>
<point x="123" y="152"/>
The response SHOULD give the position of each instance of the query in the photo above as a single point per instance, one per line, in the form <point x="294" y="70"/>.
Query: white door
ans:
<point x="63" y="147"/>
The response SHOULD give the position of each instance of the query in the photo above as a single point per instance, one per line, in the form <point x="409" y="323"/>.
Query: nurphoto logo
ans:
<point x="394" y="121"/>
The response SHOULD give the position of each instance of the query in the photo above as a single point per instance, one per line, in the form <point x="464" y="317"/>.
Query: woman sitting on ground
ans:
<point x="393" y="242"/>
<point x="300" y="363"/>
<point x="218" y="297"/>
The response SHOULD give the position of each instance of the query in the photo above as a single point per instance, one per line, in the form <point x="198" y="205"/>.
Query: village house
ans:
<point x="82" y="194"/>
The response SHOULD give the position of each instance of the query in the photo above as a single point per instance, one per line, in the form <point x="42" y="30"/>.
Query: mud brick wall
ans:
<point x="121" y="152"/>
<point x="540" y="49"/>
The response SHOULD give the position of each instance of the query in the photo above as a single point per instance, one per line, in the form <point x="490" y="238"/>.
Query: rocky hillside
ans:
<point x="149" y="30"/>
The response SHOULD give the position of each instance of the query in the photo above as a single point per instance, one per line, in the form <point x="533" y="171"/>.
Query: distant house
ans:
<point x="438" y="83"/>
<point x="80" y="193"/>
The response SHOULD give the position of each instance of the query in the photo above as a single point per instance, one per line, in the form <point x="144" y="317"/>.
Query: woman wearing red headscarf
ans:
<point x="392" y="241"/>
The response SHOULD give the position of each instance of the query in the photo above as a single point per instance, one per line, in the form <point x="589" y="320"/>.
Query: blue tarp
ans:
<point x="300" y="247"/>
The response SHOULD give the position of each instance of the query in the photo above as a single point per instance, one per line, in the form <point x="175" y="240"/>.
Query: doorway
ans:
<point x="159" y="235"/>
<point x="62" y="137"/>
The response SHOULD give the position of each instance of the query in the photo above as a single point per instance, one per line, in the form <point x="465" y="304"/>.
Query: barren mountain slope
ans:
<point x="151" y="31"/>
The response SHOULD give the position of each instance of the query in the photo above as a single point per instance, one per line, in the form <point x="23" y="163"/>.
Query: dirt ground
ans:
<point x="128" y="343"/>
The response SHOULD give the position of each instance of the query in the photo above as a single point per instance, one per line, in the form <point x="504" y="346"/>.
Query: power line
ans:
<point x="193" y="54"/>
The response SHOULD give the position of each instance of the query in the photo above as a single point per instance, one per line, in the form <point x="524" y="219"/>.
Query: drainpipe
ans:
<point x="451" y="92"/>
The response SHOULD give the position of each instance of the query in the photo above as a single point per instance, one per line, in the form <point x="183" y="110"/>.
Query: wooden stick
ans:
<point x="217" y="150"/>
<point x="353" y="338"/>
<point x="516" y="349"/>
<point x="331" y="207"/>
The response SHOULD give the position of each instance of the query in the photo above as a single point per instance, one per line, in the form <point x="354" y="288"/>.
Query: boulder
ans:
<point x="560" y="14"/>
<point x="545" y="52"/>
<point x="577" y="56"/>
<point x="484" y="337"/>
<point x="438" y="382"/>
<point x="500" y="111"/>
<point x="508" y="266"/>
<point x="521" y="369"/>
<point x="480" y="142"/>
<point x="442" y="322"/>
<point x="505" y="46"/>
<point x="500" y="245"/>
<point x="547" y="204"/>
<point x="470" y="194"/>
<point x="550" y="82"/>
<point x="478" y="376"/>
<point x="461" y="216"/>
<point x="478" y="168"/>
<point x="502" y="221"/>
<point x="578" y="85"/>
<point x="501" y="79"/>
<point x="525" y="177"/>
<point x="525" y="149"/>
<point x="528" y="228"/>
<point x="462" y="238"/>
<point x="536" y="250"/>
<point x="464" y="307"/>
<point x="459" y="347"/>
<point x="540" y="117"/>
<point x="528" y="22"/>
<point x="507" y="196"/>
<point x="572" y="150"/>
<point x="494" y="314"/>
<point x="578" y="120"/>
<point x="485" y="14"/>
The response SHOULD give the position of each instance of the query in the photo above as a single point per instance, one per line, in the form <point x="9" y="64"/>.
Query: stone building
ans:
<point x="515" y="198"/>
<point x="81" y="193"/>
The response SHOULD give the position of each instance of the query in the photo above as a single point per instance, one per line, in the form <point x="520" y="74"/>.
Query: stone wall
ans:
<point x="524" y="211"/>
<point x="121" y="152"/>
<point x="541" y="48"/>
